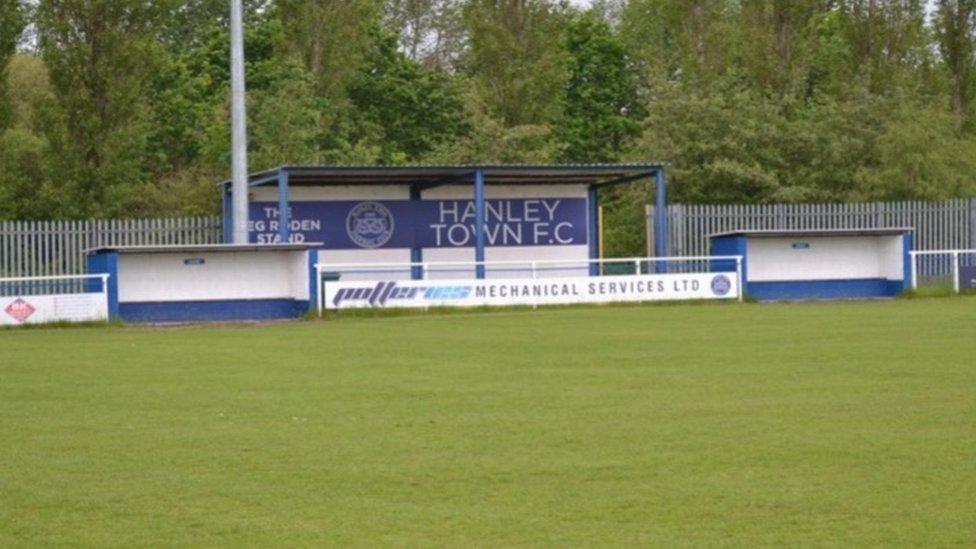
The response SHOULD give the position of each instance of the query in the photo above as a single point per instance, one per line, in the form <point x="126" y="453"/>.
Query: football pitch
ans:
<point x="843" y="424"/>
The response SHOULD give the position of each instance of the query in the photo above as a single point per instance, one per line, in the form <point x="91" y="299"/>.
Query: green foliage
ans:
<point x="21" y="174"/>
<point x="955" y="23"/>
<point x="602" y="103"/>
<point x="100" y="56"/>
<point x="415" y="109"/>
<point x="491" y="141"/>
<point x="920" y="157"/>
<point x="12" y="22"/>
<point x="120" y="107"/>
<point x="330" y="37"/>
<point x="516" y="59"/>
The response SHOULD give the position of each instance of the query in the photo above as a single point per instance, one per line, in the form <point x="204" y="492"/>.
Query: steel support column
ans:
<point x="660" y="218"/>
<point x="479" y="222"/>
<point x="284" y="210"/>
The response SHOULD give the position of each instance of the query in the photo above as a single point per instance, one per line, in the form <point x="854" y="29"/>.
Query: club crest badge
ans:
<point x="721" y="285"/>
<point x="369" y="224"/>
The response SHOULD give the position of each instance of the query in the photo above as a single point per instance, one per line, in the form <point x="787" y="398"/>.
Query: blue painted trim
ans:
<point x="416" y="254"/>
<point x="729" y="245"/>
<point x="313" y="282"/>
<point x="105" y="263"/>
<point x="661" y="215"/>
<point x="824" y="289"/>
<point x="592" y="225"/>
<point x="202" y="311"/>
<point x="284" y="215"/>
<point x="227" y="221"/>
<point x="479" y="222"/>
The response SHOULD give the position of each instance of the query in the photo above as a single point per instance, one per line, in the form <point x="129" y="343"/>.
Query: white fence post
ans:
<point x="320" y="294"/>
<point x="955" y="271"/>
<point x="739" y="283"/>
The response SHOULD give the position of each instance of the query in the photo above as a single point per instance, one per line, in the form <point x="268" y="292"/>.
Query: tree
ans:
<point x="602" y="102"/>
<point x="887" y="39"/>
<point x="776" y="42"/>
<point x="955" y="26"/>
<point x="429" y="31"/>
<point x="920" y="156"/>
<point x="516" y="58"/>
<point x="691" y="41"/>
<point x="100" y="55"/>
<point x="330" y="37"/>
<point x="186" y="24"/>
<point x="491" y="141"/>
<point x="415" y="109"/>
<point x="12" y="22"/>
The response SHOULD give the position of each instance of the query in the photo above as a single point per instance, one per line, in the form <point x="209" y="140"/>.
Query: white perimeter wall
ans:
<point x="827" y="258"/>
<point x="163" y="277"/>
<point x="447" y="192"/>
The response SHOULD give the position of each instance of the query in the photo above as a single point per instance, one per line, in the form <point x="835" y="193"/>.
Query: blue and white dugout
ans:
<point x="207" y="283"/>
<point x="820" y="264"/>
<point x="414" y="214"/>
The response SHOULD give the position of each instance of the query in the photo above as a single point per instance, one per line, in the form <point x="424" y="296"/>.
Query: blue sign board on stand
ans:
<point x="373" y="224"/>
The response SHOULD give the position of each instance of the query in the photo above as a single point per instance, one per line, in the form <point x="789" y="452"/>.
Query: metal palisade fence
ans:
<point x="47" y="248"/>
<point x="950" y="224"/>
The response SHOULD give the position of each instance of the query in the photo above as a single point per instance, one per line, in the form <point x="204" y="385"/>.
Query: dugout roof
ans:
<point x="815" y="232"/>
<point x="434" y="176"/>
<point x="203" y="248"/>
<point x="419" y="178"/>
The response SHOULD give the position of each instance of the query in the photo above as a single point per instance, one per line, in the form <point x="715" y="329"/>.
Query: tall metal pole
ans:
<point x="238" y="119"/>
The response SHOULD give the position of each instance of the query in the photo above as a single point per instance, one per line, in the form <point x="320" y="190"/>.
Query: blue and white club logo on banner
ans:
<point x="369" y="224"/>
<point x="721" y="285"/>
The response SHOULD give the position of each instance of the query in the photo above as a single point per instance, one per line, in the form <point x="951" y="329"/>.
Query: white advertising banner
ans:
<point x="38" y="309"/>
<point x="522" y="291"/>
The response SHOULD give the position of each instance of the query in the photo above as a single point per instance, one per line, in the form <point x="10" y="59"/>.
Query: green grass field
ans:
<point x="845" y="424"/>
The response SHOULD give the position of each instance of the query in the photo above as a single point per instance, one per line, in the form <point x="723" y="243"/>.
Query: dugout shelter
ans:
<point x="164" y="284"/>
<point x="820" y="264"/>
<point x="413" y="214"/>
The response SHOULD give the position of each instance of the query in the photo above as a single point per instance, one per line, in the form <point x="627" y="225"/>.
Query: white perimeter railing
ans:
<point x="542" y="268"/>
<point x="32" y="285"/>
<point x="930" y="264"/>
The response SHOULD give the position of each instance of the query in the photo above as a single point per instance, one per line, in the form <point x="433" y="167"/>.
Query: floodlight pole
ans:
<point x="238" y="119"/>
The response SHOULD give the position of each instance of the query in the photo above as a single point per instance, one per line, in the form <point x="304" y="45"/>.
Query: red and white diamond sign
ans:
<point x="20" y="310"/>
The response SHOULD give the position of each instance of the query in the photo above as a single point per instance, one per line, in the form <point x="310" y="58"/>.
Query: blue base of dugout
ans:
<point x="213" y="311"/>
<point x="824" y="289"/>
